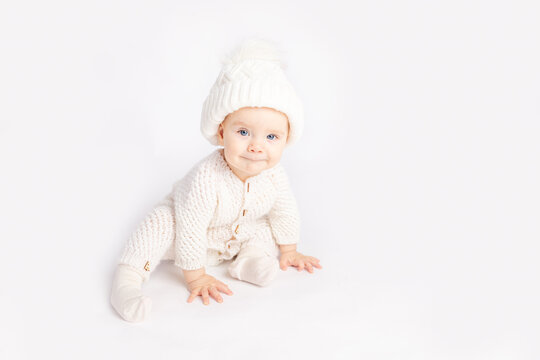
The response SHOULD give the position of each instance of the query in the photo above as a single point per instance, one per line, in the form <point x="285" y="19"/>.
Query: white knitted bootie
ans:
<point x="126" y="296"/>
<point x="260" y="270"/>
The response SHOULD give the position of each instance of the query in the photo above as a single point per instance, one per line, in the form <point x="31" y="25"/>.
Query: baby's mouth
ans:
<point x="253" y="159"/>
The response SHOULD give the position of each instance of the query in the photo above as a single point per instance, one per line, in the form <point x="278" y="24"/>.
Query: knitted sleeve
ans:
<point x="284" y="216"/>
<point x="195" y="202"/>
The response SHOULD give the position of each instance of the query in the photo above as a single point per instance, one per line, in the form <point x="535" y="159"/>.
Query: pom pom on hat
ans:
<point x="254" y="49"/>
<point x="252" y="76"/>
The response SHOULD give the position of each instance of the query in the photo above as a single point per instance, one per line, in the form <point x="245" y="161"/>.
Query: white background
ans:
<point x="417" y="177"/>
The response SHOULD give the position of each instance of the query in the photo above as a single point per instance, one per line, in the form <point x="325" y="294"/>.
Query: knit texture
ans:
<point x="151" y="240"/>
<point x="215" y="210"/>
<point x="210" y="215"/>
<point x="252" y="76"/>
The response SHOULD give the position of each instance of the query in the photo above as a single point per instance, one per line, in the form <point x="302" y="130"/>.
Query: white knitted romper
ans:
<point x="212" y="216"/>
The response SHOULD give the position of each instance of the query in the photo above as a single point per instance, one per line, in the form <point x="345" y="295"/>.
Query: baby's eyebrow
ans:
<point x="277" y="132"/>
<point x="239" y="123"/>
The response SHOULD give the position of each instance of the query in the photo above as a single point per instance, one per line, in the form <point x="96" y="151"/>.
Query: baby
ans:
<point x="236" y="204"/>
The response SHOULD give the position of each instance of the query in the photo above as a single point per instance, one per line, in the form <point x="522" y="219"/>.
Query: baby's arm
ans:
<point x="284" y="220"/>
<point x="201" y="284"/>
<point x="195" y="202"/>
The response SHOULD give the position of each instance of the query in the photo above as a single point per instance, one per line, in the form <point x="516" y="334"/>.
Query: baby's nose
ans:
<point x="254" y="148"/>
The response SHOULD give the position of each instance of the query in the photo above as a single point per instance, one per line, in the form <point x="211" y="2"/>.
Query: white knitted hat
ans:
<point x="252" y="76"/>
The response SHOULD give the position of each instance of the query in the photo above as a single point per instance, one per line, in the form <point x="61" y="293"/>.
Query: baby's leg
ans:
<point x="143" y="252"/>
<point x="254" y="265"/>
<point x="126" y="296"/>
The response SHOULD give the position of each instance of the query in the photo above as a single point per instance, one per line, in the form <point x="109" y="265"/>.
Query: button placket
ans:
<point x="244" y="210"/>
<point x="232" y="246"/>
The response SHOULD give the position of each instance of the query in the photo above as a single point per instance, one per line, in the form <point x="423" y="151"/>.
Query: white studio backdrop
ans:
<point x="417" y="176"/>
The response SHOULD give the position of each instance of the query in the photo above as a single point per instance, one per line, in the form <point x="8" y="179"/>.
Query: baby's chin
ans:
<point x="255" y="167"/>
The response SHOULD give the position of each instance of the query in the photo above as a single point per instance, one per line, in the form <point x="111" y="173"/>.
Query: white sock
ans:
<point x="126" y="296"/>
<point x="258" y="270"/>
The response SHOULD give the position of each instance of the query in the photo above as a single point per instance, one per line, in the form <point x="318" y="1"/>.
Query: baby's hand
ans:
<point x="207" y="285"/>
<point x="294" y="258"/>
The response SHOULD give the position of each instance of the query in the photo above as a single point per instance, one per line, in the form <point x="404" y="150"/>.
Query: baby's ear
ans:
<point x="220" y="135"/>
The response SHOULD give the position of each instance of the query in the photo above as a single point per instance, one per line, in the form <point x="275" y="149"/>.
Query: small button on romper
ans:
<point x="211" y="216"/>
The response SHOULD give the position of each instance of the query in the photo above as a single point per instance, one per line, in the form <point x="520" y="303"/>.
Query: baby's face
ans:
<point x="253" y="140"/>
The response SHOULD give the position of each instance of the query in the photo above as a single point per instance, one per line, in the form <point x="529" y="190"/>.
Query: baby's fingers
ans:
<point x="224" y="288"/>
<point x="314" y="262"/>
<point x="206" y="298"/>
<point x="193" y="295"/>
<point x="215" y="294"/>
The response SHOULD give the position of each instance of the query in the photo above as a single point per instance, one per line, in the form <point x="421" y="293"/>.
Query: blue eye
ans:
<point x="243" y="132"/>
<point x="271" y="137"/>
